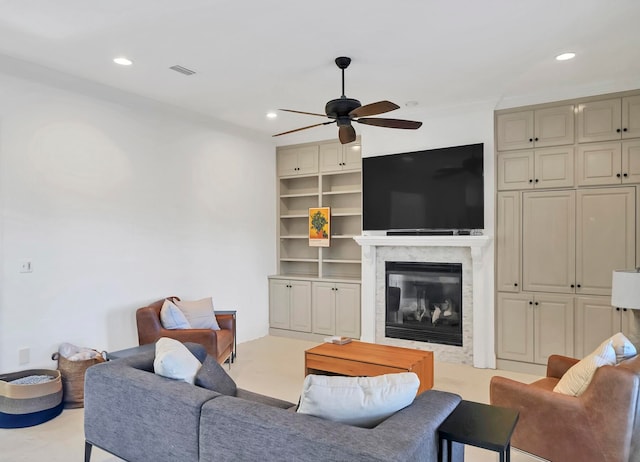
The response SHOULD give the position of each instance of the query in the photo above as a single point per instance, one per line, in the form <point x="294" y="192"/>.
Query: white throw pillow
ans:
<point x="576" y="380"/>
<point x="199" y="313"/>
<point x="360" y="401"/>
<point x="172" y="317"/>
<point x="623" y="347"/>
<point x="173" y="360"/>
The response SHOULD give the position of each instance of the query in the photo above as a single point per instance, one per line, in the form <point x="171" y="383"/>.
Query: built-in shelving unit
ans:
<point x="324" y="174"/>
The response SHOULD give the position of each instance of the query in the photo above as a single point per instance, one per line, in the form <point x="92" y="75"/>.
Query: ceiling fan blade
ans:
<point x="302" y="112"/>
<point x="304" y="128"/>
<point x="374" y="108"/>
<point x="390" y="123"/>
<point x="347" y="134"/>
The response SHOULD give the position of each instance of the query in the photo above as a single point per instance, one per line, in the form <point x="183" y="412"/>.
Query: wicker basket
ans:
<point x="72" y="373"/>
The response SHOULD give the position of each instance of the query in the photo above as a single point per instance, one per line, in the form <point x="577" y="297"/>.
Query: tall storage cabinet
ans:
<point x="325" y="174"/>
<point x="563" y="227"/>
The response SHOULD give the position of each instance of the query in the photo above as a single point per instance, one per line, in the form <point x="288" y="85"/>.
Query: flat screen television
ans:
<point x="436" y="189"/>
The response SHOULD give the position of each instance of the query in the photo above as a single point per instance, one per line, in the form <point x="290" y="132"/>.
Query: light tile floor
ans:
<point x="270" y="365"/>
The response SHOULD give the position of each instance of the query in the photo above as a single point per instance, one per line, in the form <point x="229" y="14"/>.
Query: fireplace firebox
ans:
<point x="424" y="302"/>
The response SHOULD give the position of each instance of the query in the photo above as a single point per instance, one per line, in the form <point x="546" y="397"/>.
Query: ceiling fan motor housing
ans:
<point x="341" y="107"/>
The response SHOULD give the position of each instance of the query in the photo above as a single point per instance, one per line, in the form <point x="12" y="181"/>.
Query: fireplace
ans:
<point x="477" y="317"/>
<point x="424" y="302"/>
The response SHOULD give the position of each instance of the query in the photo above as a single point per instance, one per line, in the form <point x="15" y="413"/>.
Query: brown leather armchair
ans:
<point x="218" y="343"/>
<point x="600" y="425"/>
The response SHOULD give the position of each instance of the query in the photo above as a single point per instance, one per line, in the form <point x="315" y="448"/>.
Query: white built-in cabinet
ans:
<point x="336" y="309"/>
<point x="552" y="126"/>
<point x="609" y="119"/>
<point x="323" y="174"/>
<point x="290" y="304"/>
<point x="566" y="217"/>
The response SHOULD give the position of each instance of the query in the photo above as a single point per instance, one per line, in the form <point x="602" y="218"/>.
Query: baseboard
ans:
<point x="524" y="368"/>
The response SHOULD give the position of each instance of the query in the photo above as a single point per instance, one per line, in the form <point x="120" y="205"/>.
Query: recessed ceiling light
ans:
<point x="271" y="115"/>
<point x="122" y="61"/>
<point x="565" y="56"/>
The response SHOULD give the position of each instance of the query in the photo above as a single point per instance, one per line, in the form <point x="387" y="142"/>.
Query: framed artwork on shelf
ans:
<point x="319" y="226"/>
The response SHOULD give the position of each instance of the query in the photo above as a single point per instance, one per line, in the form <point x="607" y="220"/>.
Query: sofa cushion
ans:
<point x="576" y="380"/>
<point x="213" y="377"/>
<point x="173" y="360"/>
<point x="172" y="317"/>
<point x="360" y="401"/>
<point x="199" y="313"/>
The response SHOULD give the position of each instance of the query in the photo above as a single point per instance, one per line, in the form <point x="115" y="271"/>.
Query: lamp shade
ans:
<point x="625" y="290"/>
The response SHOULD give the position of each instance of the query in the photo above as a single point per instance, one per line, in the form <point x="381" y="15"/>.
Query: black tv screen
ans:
<point x="436" y="189"/>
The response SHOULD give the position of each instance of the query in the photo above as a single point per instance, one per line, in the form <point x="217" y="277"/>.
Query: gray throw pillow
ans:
<point x="213" y="377"/>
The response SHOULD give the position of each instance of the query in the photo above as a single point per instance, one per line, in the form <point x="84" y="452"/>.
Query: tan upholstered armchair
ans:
<point x="219" y="343"/>
<point x="600" y="425"/>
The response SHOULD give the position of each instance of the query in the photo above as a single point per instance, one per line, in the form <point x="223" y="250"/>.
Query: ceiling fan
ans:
<point x="345" y="110"/>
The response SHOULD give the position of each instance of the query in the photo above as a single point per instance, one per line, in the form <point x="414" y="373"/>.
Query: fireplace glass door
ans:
<point x="424" y="302"/>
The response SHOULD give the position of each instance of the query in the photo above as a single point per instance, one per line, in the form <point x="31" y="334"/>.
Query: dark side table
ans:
<point x="480" y="425"/>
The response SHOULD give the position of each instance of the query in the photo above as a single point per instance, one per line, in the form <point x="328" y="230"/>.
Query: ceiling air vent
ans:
<point x="182" y="70"/>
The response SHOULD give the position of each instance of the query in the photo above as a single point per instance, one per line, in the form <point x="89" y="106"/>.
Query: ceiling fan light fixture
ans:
<point x="123" y="61"/>
<point x="565" y="56"/>
<point x="272" y="115"/>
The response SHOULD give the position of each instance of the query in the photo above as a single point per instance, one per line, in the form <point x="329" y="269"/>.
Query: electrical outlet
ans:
<point x="24" y="356"/>
<point x="26" y="266"/>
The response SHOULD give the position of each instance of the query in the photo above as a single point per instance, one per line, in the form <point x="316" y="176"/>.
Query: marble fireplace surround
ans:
<point x="478" y="319"/>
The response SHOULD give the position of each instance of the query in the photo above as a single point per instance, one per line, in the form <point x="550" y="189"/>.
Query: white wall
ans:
<point x="120" y="204"/>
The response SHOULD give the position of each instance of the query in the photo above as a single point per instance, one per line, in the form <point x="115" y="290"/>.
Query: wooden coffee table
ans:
<point x="369" y="359"/>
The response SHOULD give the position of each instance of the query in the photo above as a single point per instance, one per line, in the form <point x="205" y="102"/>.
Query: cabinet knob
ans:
<point x="537" y="180"/>
<point x="617" y="309"/>
<point x="515" y="284"/>
<point x="572" y="286"/>
<point x="624" y="309"/>
<point x="578" y="286"/>
<point x="618" y="175"/>
<point x="618" y="130"/>
<point x="536" y="303"/>
<point x="536" y="138"/>
<point x="530" y="302"/>
<point x="530" y="140"/>
<point x="624" y="129"/>
<point x="625" y="175"/>
<point x="530" y="180"/>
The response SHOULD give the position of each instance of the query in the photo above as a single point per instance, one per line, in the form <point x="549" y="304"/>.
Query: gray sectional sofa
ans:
<point x="139" y="416"/>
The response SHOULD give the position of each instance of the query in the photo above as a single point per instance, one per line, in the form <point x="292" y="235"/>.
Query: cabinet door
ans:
<point x="553" y="326"/>
<point x="307" y="160"/>
<point x="631" y="162"/>
<point x="631" y="117"/>
<point x="599" y="164"/>
<point x="287" y="162"/>
<point x="324" y="313"/>
<point x="515" y="130"/>
<point x="548" y="241"/>
<point x="347" y="303"/>
<point x="300" y="306"/>
<point x="331" y="157"/>
<point x="596" y="321"/>
<point x="515" y="327"/>
<point x="599" y="120"/>
<point x="515" y="170"/>
<point x="554" y="167"/>
<point x="352" y="156"/>
<point x="630" y="324"/>
<point x="554" y="126"/>
<point x="605" y="237"/>
<point x="279" y="303"/>
<point x="508" y="242"/>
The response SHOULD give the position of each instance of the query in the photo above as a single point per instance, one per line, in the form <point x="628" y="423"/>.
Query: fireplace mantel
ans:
<point x="483" y="318"/>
